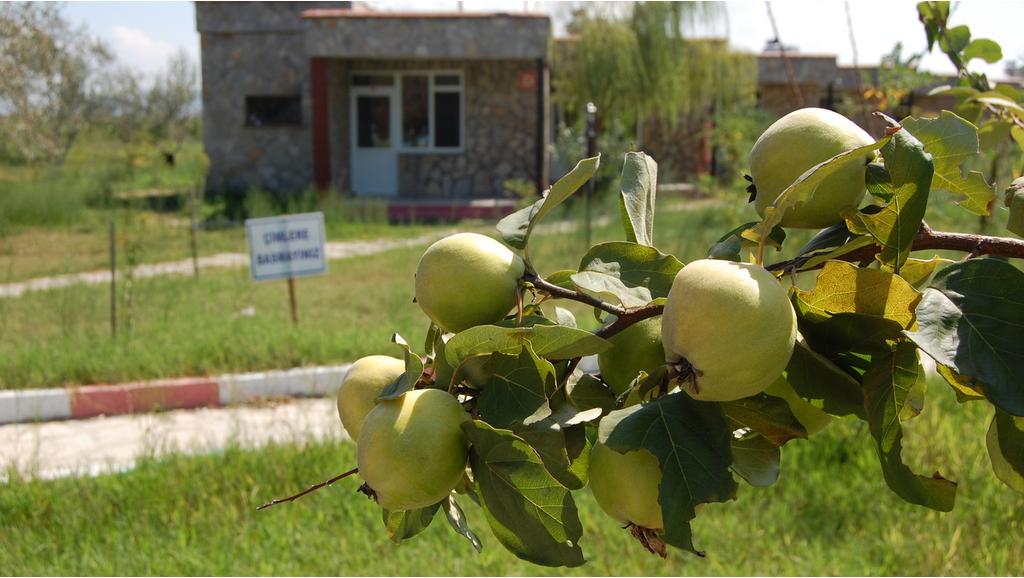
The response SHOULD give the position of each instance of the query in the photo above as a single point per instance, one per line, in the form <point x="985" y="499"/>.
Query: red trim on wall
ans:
<point x="321" y="133"/>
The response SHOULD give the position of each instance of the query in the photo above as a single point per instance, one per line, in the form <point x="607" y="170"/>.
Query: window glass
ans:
<point x="447" y="119"/>
<point x="273" y="110"/>
<point x="373" y="121"/>
<point x="416" y="111"/>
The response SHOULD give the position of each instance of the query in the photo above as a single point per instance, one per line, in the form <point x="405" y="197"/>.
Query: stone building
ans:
<point x="822" y="82"/>
<point x="438" y="107"/>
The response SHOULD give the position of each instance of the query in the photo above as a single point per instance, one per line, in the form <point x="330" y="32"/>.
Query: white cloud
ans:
<point x="134" y="47"/>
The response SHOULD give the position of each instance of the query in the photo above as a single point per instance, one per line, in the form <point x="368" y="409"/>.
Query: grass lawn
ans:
<point x="829" y="514"/>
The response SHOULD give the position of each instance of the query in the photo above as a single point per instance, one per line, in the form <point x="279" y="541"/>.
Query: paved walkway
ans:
<point x="335" y="250"/>
<point x="106" y="444"/>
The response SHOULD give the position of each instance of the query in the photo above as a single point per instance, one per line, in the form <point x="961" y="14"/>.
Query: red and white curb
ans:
<point x="37" y="405"/>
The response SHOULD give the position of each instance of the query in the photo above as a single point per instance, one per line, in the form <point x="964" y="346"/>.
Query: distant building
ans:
<point x="823" y="83"/>
<point x="386" y="104"/>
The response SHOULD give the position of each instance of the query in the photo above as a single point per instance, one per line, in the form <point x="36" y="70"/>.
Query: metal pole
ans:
<point x="113" y="280"/>
<point x="291" y="301"/>
<point x="591" y="130"/>
<point x="194" y="196"/>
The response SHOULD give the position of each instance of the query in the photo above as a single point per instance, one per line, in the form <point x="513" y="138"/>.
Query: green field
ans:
<point x="829" y="514"/>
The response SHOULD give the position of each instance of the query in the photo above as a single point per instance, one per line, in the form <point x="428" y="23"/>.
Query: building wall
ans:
<point x="272" y="157"/>
<point x="254" y="48"/>
<point x="501" y="131"/>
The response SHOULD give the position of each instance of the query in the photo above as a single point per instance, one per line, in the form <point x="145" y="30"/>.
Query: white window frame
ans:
<point x="432" y="89"/>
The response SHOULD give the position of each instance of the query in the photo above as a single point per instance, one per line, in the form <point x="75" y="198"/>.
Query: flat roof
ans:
<point x="365" y="14"/>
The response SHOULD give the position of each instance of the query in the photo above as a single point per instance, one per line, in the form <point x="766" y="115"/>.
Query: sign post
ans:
<point x="286" y="247"/>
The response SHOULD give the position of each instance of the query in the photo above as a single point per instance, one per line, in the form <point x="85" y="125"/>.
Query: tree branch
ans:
<point x="926" y="239"/>
<point x="309" y="490"/>
<point x="563" y="293"/>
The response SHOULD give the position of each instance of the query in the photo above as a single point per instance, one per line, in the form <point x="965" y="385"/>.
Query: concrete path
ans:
<point x="335" y="250"/>
<point x="106" y="444"/>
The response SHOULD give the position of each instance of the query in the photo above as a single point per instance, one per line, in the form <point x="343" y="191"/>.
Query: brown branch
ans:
<point x="563" y="293"/>
<point x="309" y="490"/>
<point x="628" y="318"/>
<point x="926" y="239"/>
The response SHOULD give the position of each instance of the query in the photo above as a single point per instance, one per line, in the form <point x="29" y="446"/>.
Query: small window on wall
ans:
<point x="261" y="111"/>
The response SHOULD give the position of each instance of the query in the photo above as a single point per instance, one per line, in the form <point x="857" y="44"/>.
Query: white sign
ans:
<point x="286" y="246"/>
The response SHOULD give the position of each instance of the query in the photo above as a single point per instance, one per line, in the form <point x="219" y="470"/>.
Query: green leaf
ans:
<point x="766" y="415"/>
<point x="804" y="187"/>
<point x="909" y="176"/>
<point x="971" y="322"/>
<point x="516" y="228"/>
<point x="402" y="525"/>
<point x="590" y="392"/>
<point x="993" y="133"/>
<point x="691" y="440"/>
<point x="889" y="386"/>
<point x="1005" y="441"/>
<point x="951" y="141"/>
<point x="756" y="460"/>
<point x="998" y="100"/>
<point x="931" y="14"/>
<point x="413" y="371"/>
<point x="552" y="342"/>
<point x="829" y="238"/>
<point x="635" y="265"/>
<point x="852" y="341"/>
<point x="918" y="272"/>
<point x="564" y="317"/>
<point x="562" y="278"/>
<point x="730" y="246"/>
<point x="457" y="520"/>
<point x="639" y="185"/>
<point x="530" y="513"/>
<point x="565" y="451"/>
<point x="1014" y="200"/>
<point x="947" y="90"/>
<point x="845" y="288"/>
<point x="955" y="39"/>
<point x="856" y="242"/>
<point x="519" y="389"/>
<point x="1018" y="136"/>
<point x="608" y="287"/>
<point x="822" y="383"/>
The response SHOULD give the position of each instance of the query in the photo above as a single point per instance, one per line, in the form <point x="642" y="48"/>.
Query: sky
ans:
<point x="145" y="34"/>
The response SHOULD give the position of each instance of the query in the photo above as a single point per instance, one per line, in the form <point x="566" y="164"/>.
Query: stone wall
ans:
<point x="257" y="49"/>
<point x="449" y="36"/>
<point x="500" y="131"/>
<point x="241" y="157"/>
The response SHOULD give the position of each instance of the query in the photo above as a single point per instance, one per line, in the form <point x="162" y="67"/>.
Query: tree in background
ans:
<point x="47" y="80"/>
<point x="647" y="75"/>
<point x="172" y="106"/>
<point x="159" y="113"/>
